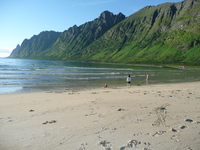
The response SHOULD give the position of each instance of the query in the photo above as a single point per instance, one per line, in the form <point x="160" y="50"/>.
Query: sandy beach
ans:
<point x="148" y="117"/>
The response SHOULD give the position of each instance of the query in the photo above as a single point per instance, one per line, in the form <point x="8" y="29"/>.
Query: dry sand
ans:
<point x="149" y="117"/>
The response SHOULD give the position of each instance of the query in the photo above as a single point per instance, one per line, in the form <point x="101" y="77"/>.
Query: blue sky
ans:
<point x="21" y="19"/>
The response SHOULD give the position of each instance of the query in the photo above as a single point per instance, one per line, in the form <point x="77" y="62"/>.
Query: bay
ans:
<point x="27" y="75"/>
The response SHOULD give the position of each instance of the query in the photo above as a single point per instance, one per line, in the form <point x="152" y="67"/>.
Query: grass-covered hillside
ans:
<point x="165" y="34"/>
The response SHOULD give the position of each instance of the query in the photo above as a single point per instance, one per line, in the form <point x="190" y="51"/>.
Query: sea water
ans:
<point x="27" y="75"/>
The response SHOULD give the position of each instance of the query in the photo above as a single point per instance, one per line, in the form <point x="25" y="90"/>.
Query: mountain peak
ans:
<point x="163" y="34"/>
<point x="106" y="15"/>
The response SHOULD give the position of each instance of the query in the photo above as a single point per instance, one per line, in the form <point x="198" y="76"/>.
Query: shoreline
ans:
<point x="145" y="65"/>
<point x="86" y="88"/>
<point x="153" y="117"/>
<point x="43" y="76"/>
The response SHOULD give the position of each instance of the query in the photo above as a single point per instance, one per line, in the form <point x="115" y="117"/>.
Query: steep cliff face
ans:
<point x="34" y="46"/>
<point x="165" y="34"/>
<point x="70" y="44"/>
<point x="168" y="33"/>
<point x="15" y="51"/>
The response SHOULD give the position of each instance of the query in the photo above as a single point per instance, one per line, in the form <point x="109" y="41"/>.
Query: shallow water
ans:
<point x="23" y="75"/>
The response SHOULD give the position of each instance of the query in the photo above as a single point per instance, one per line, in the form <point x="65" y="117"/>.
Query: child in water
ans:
<point x="128" y="80"/>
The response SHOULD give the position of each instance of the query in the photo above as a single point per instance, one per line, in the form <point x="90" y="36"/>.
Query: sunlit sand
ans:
<point x="149" y="117"/>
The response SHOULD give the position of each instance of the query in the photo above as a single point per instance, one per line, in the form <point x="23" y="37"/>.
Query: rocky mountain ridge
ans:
<point x="165" y="34"/>
<point x="35" y="44"/>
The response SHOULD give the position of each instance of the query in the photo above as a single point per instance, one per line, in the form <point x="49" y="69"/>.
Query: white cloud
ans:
<point x="5" y="52"/>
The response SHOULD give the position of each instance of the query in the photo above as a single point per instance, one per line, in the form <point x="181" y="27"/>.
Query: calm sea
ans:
<point x="23" y="75"/>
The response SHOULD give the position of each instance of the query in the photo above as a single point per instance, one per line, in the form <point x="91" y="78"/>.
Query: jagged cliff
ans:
<point x="36" y="45"/>
<point x="16" y="51"/>
<point x="165" y="34"/>
<point x="71" y="43"/>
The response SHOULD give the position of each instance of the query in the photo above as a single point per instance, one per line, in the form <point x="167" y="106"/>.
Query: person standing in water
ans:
<point x="147" y="78"/>
<point x="128" y="80"/>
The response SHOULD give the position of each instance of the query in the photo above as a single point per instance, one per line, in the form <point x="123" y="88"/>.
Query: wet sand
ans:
<point x="149" y="117"/>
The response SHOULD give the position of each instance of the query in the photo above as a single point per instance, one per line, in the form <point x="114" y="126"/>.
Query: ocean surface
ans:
<point x="24" y="75"/>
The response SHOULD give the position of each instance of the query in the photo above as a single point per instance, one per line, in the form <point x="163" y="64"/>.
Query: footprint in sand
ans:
<point x="91" y="114"/>
<point x="105" y="144"/>
<point x="174" y="130"/>
<point x="175" y="138"/>
<point x="10" y="121"/>
<point x="183" y="127"/>
<point x="83" y="146"/>
<point x="46" y="122"/>
<point x="106" y="91"/>
<point x="161" y="113"/>
<point x="189" y="120"/>
<point x="137" y="134"/>
<point x="132" y="144"/>
<point x="53" y="121"/>
<point x="94" y="93"/>
<point x="158" y="133"/>
<point x="121" y="109"/>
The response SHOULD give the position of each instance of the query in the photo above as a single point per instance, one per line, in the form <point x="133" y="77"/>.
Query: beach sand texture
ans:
<point x="148" y="117"/>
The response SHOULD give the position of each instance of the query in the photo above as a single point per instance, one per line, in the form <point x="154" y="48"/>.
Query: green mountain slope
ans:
<point x="70" y="44"/>
<point x="165" y="34"/>
<point x="36" y="45"/>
